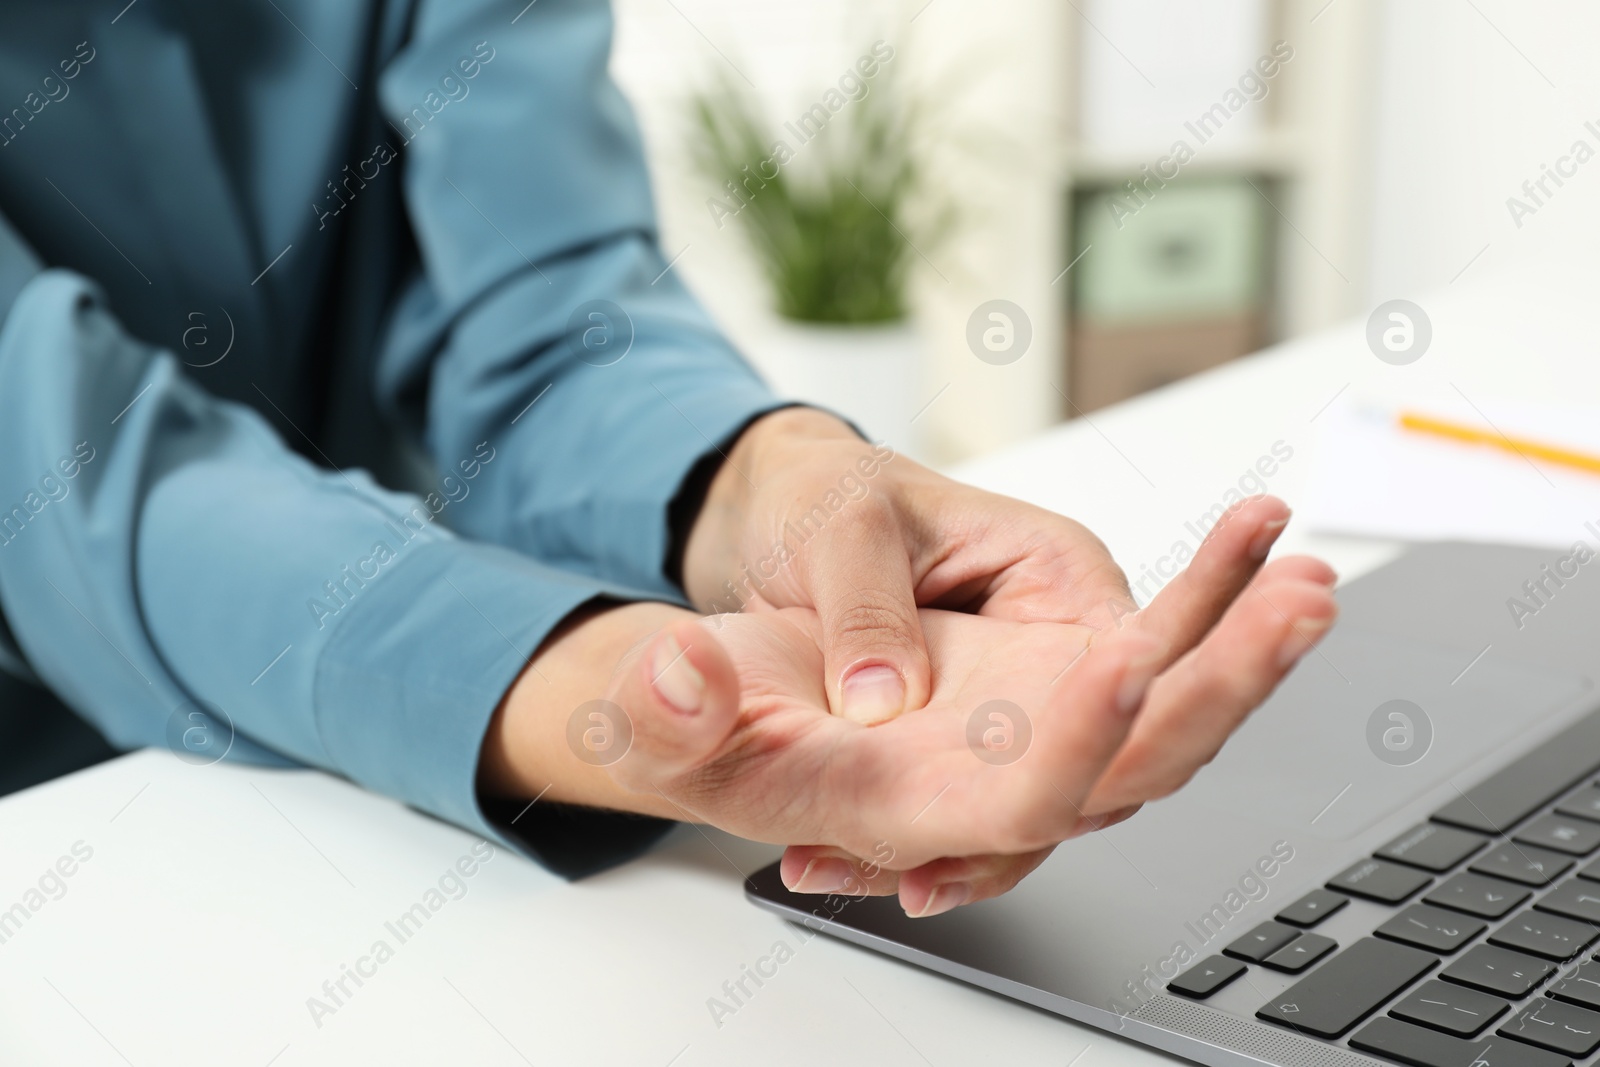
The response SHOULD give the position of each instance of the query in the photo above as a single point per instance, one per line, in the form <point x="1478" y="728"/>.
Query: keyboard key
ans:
<point x="1591" y="871"/>
<point x="1576" y="837"/>
<point x="1451" y="1008"/>
<point x="1433" y="847"/>
<point x="1400" y="1041"/>
<point x="1556" y="1026"/>
<point x="1300" y="953"/>
<point x="1477" y="895"/>
<point x="1206" y="977"/>
<point x="1434" y="929"/>
<point x="1312" y="908"/>
<point x="1498" y="970"/>
<point x="1549" y="936"/>
<point x="1585" y="803"/>
<point x="1581" y="986"/>
<point x="1348" y="988"/>
<point x="1522" y="863"/>
<point x="1262" y="942"/>
<point x="1574" y="899"/>
<point x="1518" y="790"/>
<point x="1380" y="880"/>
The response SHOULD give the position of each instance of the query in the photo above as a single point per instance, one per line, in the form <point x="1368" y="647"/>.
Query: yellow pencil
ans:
<point x="1566" y="457"/>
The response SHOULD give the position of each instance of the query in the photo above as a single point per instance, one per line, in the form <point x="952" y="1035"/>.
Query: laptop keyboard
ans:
<point x="1490" y="953"/>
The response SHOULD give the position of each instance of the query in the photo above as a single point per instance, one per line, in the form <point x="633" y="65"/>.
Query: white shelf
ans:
<point x="1272" y="152"/>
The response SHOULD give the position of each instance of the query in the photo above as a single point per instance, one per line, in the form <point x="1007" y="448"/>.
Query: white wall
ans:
<point x="1463" y="120"/>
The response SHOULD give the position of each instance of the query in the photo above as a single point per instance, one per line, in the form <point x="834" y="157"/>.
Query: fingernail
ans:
<point x="675" y="679"/>
<point x="945" y="898"/>
<point x="1266" y="538"/>
<point x="873" y="694"/>
<point x="824" y="875"/>
<point x="1141" y="671"/>
<point x="1300" y="640"/>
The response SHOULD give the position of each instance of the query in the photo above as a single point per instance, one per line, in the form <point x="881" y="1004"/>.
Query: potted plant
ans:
<point x="827" y="203"/>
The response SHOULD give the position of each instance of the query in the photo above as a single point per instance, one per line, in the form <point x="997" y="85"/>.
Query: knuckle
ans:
<point x="1167" y="777"/>
<point x="874" y="619"/>
<point x="1216" y="690"/>
<point x="1001" y="874"/>
<point x="856" y="519"/>
<point x="1033" y="822"/>
<point x="1153" y="773"/>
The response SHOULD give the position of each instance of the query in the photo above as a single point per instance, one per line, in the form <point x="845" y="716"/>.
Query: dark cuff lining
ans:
<point x="572" y="841"/>
<point x="690" y="498"/>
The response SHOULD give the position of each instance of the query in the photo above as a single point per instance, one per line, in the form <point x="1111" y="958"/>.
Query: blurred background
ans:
<point x="962" y="223"/>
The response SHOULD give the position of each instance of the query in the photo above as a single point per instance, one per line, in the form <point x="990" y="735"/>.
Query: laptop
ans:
<point x="1396" y="859"/>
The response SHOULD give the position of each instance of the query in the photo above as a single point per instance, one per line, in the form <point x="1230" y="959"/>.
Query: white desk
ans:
<point x="218" y="900"/>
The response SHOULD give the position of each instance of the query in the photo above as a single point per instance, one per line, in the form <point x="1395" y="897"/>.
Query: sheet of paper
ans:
<point x="1372" y="478"/>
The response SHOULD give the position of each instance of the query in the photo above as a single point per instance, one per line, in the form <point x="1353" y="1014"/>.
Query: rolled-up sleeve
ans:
<point x="545" y="317"/>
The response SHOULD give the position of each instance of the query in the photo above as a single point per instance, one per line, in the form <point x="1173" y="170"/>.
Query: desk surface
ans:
<point x="215" y="902"/>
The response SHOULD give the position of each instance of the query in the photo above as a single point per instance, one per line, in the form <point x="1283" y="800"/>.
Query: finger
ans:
<point x="1091" y="710"/>
<point x="1077" y="725"/>
<point x="678" y="695"/>
<point x="1190" y="605"/>
<point x="824" y="869"/>
<point x="946" y="884"/>
<point x="1308" y="568"/>
<point x="919" y="783"/>
<point x="1196" y="705"/>
<point x="931" y="889"/>
<point x="859" y="576"/>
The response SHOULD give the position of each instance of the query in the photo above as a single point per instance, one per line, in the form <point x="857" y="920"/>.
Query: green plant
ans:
<point x="829" y="218"/>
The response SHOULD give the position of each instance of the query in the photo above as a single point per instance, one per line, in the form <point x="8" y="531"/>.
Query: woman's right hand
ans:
<point x="726" y="721"/>
<point x="1192" y="708"/>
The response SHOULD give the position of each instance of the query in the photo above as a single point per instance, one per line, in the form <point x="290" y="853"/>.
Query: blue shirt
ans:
<point x="338" y="363"/>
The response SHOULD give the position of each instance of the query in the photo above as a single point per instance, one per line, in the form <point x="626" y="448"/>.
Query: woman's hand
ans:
<point x="1192" y="708"/>
<point x="806" y="514"/>
<point x="728" y="723"/>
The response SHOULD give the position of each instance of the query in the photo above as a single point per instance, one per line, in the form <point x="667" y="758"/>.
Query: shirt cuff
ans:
<point x="407" y="684"/>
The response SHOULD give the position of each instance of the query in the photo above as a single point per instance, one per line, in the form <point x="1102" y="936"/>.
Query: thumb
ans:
<point x="875" y="656"/>
<point x="678" y="694"/>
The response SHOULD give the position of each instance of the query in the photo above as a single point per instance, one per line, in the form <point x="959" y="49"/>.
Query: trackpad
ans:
<point x="1368" y="723"/>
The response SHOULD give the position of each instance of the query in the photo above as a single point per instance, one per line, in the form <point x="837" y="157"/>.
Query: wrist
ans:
<point x="526" y="751"/>
<point x="711" y="553"/>
<point x="788" y="426"/>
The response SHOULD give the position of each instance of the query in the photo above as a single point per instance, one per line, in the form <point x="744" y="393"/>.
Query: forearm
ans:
<point x="189" y="568"/>
<point x="558" y="332"/>
<point x="527" y="751"/>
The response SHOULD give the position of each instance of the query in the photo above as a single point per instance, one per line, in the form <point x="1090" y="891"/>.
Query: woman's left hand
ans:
<point x="804" y="513"/>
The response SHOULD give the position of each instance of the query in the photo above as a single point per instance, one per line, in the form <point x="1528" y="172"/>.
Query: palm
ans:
<point x="791" y="772"/>
<point x="1031" y="589"/>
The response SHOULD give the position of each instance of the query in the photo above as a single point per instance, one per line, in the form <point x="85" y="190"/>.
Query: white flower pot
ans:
<point x="871" y="375"/>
